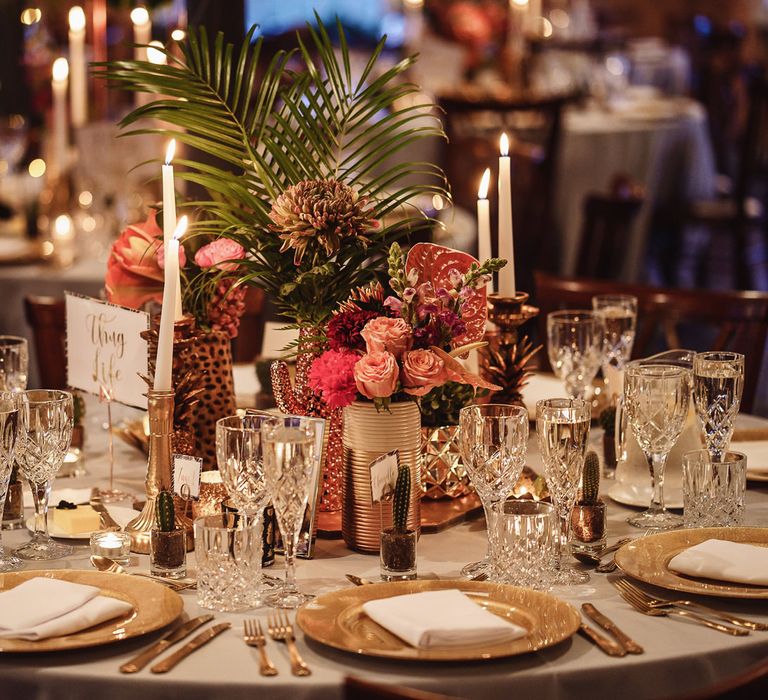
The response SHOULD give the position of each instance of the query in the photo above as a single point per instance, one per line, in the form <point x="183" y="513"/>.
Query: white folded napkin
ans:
<point x="440" y="618"/>
<point x="724" y="561"/>
<point x="44" y="607"/>
<point x="756" y="452"/>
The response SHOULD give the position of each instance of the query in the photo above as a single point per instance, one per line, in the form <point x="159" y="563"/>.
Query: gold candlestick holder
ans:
<point x="159" y="472"/>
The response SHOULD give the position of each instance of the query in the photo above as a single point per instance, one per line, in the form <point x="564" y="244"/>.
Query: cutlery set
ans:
<point x="281" y="630"/>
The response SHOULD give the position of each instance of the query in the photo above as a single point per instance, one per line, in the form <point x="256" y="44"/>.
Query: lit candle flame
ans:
<point x="139" y="15"/>
<point x="181" y="228"/>
<point x="169" y="152"/>
<point x="60" y="70"/>
<point x="76" y="19"/>
<point x="156" y="54"/>
<point x="485" y="181"/>
<point x="504" y="145"/>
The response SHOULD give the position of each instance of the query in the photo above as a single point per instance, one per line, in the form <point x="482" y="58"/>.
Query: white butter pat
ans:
<point x="81" y="519"/>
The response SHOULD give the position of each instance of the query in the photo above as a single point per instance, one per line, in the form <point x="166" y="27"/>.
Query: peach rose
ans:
<point x="218" y="252"/>
<point x="422" y="371"/>
<point x="387" y="334"/>
<point x="376" y="375"/>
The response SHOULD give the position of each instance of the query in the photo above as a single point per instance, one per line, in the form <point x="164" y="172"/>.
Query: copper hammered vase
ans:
<point x="367" y="434"/>
<point x="443" y="474"/>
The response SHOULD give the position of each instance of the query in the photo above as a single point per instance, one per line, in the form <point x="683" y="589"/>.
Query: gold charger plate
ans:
<point x="154" y="606"/>
<point x="647" y="559"/>
<point x="337" y="620"/>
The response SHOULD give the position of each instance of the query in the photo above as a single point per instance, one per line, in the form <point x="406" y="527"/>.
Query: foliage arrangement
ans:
<point x="298" y="168"/>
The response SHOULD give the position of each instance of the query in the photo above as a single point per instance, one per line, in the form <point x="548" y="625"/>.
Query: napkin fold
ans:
<point x="43" y="607"/>
<point x="724" y="561"/>
<point x="440" y="619"/>
<point x="756" y="452"/>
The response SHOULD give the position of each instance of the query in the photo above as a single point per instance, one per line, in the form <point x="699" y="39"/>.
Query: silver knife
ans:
<point x="203" y="638"/>
<point x="357" y="580"/>
<point x="609" y="626"/>
<point x="154" y="650"/>
<point x="106" y="519"/>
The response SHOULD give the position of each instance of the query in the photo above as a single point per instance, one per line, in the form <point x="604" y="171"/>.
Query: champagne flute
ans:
<point x="290" y="462"/>
<point x="14" y="363"/>
<point x="11" y="437"/>
<point x="574" y="346"/>
<point x="49" y="419"/>
<point x="562" y="428"/>
<point x="718" y="381"/>
<point x="619" y="316"/>
<point x="494" y="441"/>
<point x="656" y="399"/>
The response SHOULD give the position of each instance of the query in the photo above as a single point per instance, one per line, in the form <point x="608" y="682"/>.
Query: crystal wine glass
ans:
<point x="575" y="348"/>
<point x="49" y="419"/>
<point x="11" y="436"/>
<point x="656" y="399"/>
<point x="718" y="381"/>
<point x="494" y="441"/>
<point x="14" y="363"/>
<point x="290" y="463"/>
<point x="562" y="428"/>
<point x="619" y="316"/>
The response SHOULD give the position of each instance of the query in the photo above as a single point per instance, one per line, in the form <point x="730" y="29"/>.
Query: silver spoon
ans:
<point x="594" y="559"/>
<point x="111" y="566"/>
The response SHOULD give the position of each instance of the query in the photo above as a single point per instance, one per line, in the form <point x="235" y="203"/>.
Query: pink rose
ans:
<point x="422" y="371"/>
<point x="218" y="252"/>
<point x="376" y="375"/>
<point x="387" y="334"/>
<point x="161" y="257"/>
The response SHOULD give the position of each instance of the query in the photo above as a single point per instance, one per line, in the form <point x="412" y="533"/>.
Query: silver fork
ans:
<point x="253" y="636"/>
<point x="661" y="603"/>
<point x="638" y="604"/>
<point x="281" y="630"/>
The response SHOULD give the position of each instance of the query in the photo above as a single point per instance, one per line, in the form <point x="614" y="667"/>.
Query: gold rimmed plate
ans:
<point x="337" y="620"/>
<point x="647" y="559"/>
<point x="154" y="606"/>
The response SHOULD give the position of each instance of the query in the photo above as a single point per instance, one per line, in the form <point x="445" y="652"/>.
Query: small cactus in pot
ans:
<point x="588" y="515"/>
<point x="167" y="542"/>
<point x="398" y="543"/>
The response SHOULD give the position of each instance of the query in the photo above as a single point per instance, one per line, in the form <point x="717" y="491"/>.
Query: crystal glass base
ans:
<point x="288" y="599"/>
<point x="113" y="495"/>
<point x="656" y="520"/>
<point x="476" y="568"/>
<point x="8" y="562"/>
<point x="41" y="547"/>
<point x="570" y="576"/>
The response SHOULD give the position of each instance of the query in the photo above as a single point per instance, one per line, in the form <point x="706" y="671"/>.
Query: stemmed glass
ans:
<point x="290" y="463"/>
<point x="494" y="441"/>
<point x="619" y="316"/>
<point x="11" y="436"/>
<point x="575" y="348"/>
<point x="14" y="363"/>
<point x="562" y="428"/>
<point x="49" y="420"/>
<point x="656" y="399"/>
<point x="718" y="381"/>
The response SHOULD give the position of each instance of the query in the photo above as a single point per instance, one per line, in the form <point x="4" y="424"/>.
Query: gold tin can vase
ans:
<point x="367" y="434"/>
<point x="443" y="474"/>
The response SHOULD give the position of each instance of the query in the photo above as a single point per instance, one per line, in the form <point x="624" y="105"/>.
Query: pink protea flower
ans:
<point x="332" y="376"/>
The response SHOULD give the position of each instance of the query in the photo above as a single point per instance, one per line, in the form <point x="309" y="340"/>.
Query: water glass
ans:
<point x="713" y="491"/>
<point x="528" y="543"/>
<point x="575" y="348"/>
<point x="718" y="381"/>
<point x="619" y="316"/>
<point x="11" y="436"/>
<point x="14" y="363"/>
<point x="228" y="553"/>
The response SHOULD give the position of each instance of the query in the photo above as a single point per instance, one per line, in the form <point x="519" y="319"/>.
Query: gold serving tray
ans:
<point x="647" y="560"/>
<point x="337" y="620"/>
<point x="154" y="606"/>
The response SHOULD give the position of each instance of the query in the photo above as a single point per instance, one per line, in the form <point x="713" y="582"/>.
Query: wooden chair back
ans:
<point x="359" y="689"/>
<point x="46" y="316"/>
<point x="674" y="318"/>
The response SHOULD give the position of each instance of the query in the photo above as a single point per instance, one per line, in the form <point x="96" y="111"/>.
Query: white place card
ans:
<point x="105" y="349"/>
<point x="186" y="476"/>
<point x="384" y="475"/>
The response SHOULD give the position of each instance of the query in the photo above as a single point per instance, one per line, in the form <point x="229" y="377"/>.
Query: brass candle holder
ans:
<point x="159" y="472"/>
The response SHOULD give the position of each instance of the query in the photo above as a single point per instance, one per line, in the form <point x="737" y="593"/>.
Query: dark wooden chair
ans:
<point x="748" y="685"/>
<point x="674" y="318"/>
<point x="46" y="316"/>
<point x="358" y="689"/>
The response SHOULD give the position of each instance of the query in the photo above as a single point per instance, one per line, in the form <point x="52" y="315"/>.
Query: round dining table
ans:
<point x="678" y="657"/>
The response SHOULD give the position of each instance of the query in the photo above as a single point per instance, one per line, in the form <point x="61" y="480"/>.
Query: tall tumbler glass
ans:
<point x="11" y="437"/>
<point x="575" y="348"/>
<point x="619" y="315"/>
<point x="718" y="381"/>
<point x="14" y="363"/>
<point x="49" y="418"/>
<point x="494" y="441"/>
<point x="562" y="428"/>
<point x="656" y="400"/>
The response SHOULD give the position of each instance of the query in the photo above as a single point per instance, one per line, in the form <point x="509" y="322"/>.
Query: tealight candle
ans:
<point x="111" y="544"/>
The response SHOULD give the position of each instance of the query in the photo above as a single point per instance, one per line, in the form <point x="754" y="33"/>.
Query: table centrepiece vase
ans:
<point x="443" y="474"/>
<point x="367" y="434"/>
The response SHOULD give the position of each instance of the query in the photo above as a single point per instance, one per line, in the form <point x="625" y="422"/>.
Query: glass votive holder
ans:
<point x="228" y="554"/>
<point x="212" y="494"/>
<point x="528" y="541"/>
<point x="588" y="527"/>
<point x="111" y="544"/>
<point x="713" y="492"/>
<point x="398" y="554"/>
<point x="168" y="553"/>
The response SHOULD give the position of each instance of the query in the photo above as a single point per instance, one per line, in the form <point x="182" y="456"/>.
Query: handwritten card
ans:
<point x="105" y="349"/>
<point x="384" y="475"/>
<point x="186" y="476"/>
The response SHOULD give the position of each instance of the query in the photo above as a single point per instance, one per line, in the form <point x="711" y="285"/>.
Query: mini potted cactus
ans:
<point x="167" y="542"/>
<point x="608" y="423"/>
<point x="588" y="515"/>
<point x="398" y="543"/>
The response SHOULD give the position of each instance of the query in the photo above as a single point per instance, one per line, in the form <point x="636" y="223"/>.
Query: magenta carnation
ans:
<point x="332" y="376"/>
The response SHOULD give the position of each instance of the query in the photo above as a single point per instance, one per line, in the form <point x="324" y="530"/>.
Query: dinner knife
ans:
<point x="608" y="646"/>
<point x="202" y="639"/>
<point x="106" y="519"/>
<point x="357" y="580"/>
<point x="154" y="650"/>
<point x="629" y="644"/>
